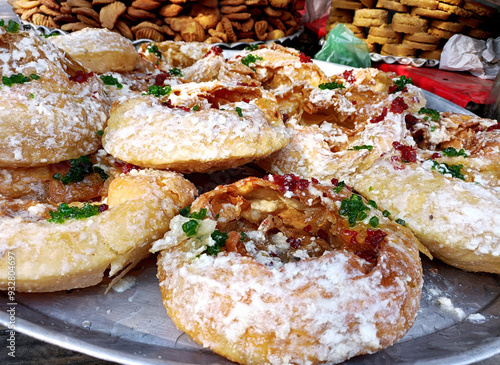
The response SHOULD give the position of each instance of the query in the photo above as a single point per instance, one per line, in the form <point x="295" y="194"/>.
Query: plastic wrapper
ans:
<point x="479" y="57"/>
<point x="343" y="47"/>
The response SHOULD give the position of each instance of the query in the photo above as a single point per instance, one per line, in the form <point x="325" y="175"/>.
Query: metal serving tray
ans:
<point x="131" y="326"/>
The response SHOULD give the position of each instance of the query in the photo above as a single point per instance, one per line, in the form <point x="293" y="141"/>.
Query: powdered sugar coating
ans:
<point x="52" y="118"/>
<point x="327" y="308"/>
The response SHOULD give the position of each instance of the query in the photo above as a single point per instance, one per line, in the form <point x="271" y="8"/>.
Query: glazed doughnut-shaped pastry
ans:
<point x="99" y="50"/>
<point x="341" y="129"/>
<point x="50" y="108"/>
<point x="456" y="219"/>
<point x="54" y="254"/>
<point x="196" y="127"/>
<point x="277" y="67"/>
<point x="285" y="269"/>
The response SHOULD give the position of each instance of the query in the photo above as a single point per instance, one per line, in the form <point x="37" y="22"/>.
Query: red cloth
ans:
<point x="457" y="87"/>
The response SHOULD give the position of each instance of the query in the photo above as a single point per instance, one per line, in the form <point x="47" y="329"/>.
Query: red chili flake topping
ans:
<point x="396" y="163"/>
<point x="353" y="235"/>
<point x="185" y="108"/>
<point x="103" y="208"/>
<point x="369" y="256"/>
<point x="408" y="153"/>
<point x="380" y="117"/>
<point x="394" y="88"/>
<point x="335" y="181"/>
<point x="314" y="180"/>
<point x="411" y="121"/>
<point x="354" y="102"/>
<point x="290" y="182"/>
<point x="304" y="58"/>
<point x="215" y="50"/>
<point x="436" y="155"/>
<point x="322" y="234"/>
<point x="398" y="105"/>
<point x="160" y="78"/>
<point x="308" y="228"/>
<point x="272" y="254"/>
<point x="245" y="100"/>
<point x="348" y="76"/>
<point x="493" y="127"/>
<point x="81" y="76"/>
<point x="293" y="242"/>
<point x="374" y="237"/>
<point x="286" y="117"/>
<point x="125" y="167"/>
<point x="253" y="84"/>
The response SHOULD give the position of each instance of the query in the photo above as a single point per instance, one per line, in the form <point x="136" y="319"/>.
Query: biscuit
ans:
<point x="398" y="50"/>
<point x="480" y="9"/>
<point x="370" y="17"/>
<point x="383" y="40"/>
<point x="170" y="10"/>
<point x="345" y="4"/>
<point x="420" y="45"/>
<point x="427" y="13"/>
<point x="427" y="4"/>
<point x="406" y="23"/>
<point x="109" y="14"/>
<point x="431" y="55"/>
<point x="422" y="37"/>
<point x="449" y="26"/>
<point x="445" y="34"/>
<point x="392" y="5"/>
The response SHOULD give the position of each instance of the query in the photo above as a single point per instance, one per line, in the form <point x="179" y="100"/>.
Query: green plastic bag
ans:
<point x="343" y="47"/>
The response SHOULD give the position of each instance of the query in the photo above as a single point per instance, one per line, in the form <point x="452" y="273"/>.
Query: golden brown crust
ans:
<point x="277" y="290"/>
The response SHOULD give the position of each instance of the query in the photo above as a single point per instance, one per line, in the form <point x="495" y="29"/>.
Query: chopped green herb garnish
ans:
<point x="199" y="215"/>
<point x="53" y="34"/>
<point x="220" y="240"/>
<point x="363" y="147"/>
<point x="11" y="27"/>
<point x="100" y="132"/>
<point x="373" y="222"/>
<point x="175" y="72"/>
<point x="444" y="168"/>
<point x="452" y="152"/>
<point x="339" y="187"/>
<point x="80" y="167"/>
<point x="110" y="80"/>
<point x="250" y="59"/>
<point x="402" y="81"/>
<point x="196" y="108"/>
<point x="243" y="236"/>
<point x="372" y="203"/>
<point x="15" y="79"/>
<point x="185" y="211"/>
<point x="433" y="128"/>
<point x="251" y="47"/>
<point x="400" y="221"/>
<point x="31" y="96"/>
<point x="239" y="111"/>
<point x="158" y="91"/>
<point x="154" y="49"/>
<point x="386" y="213"/>
<point x="64" y="211"/>
<point x="331" y="86"/>
<point x="354" y="209"/>
<point x="432" y="113"/>
<point x="34" y="77"/>
<point x="101" y="172"/>
<point x="190" y="227"/>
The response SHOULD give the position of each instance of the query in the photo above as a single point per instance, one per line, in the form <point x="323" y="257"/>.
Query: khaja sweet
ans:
<point x="99" y="50"/>
<point x="428" y="169"/>
<point x="51" y="108"/>
<point x="280" y="270"/>
<point x="196" y="127"/>
<point x="54" y="251"/>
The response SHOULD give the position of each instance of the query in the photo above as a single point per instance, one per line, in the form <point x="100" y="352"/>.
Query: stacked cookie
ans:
<point x="210" y="21"/>
<point x="413" y="28"/>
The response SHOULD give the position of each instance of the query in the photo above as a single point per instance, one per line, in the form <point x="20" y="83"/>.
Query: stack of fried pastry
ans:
<point x="420" y="27"/>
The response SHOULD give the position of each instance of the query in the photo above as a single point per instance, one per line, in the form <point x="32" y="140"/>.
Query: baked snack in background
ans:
<point x="225" y="21"/>
<point x="257" y="277"/>
<point x="441" y="19"/>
